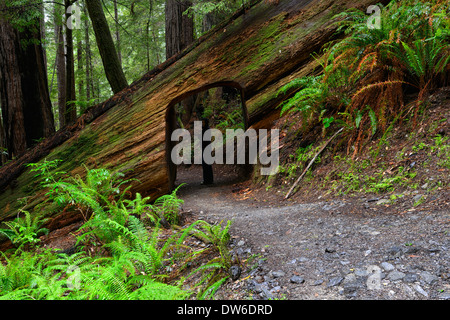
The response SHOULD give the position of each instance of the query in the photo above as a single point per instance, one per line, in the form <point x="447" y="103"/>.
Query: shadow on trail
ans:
<point x="225" y="176"/>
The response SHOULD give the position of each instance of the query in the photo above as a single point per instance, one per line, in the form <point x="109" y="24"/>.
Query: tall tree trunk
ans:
<point x="71" y="108"/>
<point x="151" y="41"/>
<point x="25" y="100"/>
<point x="106" y="47"/>
<point x="179" y="34"/>
<point x="80" y="72"/>
<point x="42" y="30"/>
<point x="116" y="18"/>
<point x="179" y="27"/>
<point x="88" y="65"/>
<point x="11" y="91"/>
<point x="3" y="149"/>
<point x="141" y="149"/>
<point x="38" y="115"/>
<point x="60" y="65"/>
<point x="147" y="33"/>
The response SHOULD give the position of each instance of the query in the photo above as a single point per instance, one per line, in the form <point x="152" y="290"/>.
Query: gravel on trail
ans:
<point x="346" y="248"/>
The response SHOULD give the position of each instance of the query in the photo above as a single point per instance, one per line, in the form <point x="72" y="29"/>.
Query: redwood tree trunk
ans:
<point x="116" y="18"/>
<point x="179" y="27"/>
<point x="131" y="131"/>
<point x="71" y="108"/>
<point x="11" y="91"/>
<point x="37" y="108"/>
<point x="88" y="60"/>
<point x="179" y="34"/>
<point x="106" y="47"/>
<point x="60" y="65"/>
<point x="3" y="149"/>
<point x="25" y="100"/>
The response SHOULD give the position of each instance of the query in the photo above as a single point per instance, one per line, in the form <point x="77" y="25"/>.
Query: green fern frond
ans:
<point x="153" y="290"/>
<point x="211" y="290"/>
<point x="209" y="266"/>
<point x="373" y="120"/>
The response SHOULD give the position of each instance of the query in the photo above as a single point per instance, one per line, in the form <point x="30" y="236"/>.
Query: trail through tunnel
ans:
<point x="219" y="107"/>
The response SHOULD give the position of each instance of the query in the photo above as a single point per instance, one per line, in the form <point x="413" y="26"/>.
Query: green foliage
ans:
<point x="424" y="59"/>
<point x="169" y="206"/>
<point x="18" y="272"/>
<point x="442" y="149"/>
<point x="214" y="272"/>
<point x="327" y="122"/>
<point x="219" y="8"/>
<point x="98" y="194"/>
<point x="218" y="236"/>
<point x="45" y="170"/>
<point x="407" y="45"/>
<point x="298" y="161"/>
<point x="364" y="74"/>
<point x="25" y="230"/>
<point x="359" y="117"/>
<point x="224" y="110"/>
<point x="230" y="120"/>
<point x="312" y="92"/>
<point x="350" y="179"/>
<point x="138" y="256"/>
<point x="51" y="276"/>
<point x="23" y="14"/>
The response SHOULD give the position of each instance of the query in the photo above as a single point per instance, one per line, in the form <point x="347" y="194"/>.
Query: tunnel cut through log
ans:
<point x="258" y="50"/>
<point x="171" y="123"/>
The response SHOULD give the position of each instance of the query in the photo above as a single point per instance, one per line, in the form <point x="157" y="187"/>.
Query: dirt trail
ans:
<point x="349" y="248"/>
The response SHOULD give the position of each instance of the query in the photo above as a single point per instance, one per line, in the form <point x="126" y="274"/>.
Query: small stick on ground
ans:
<point x="310" y="163"/>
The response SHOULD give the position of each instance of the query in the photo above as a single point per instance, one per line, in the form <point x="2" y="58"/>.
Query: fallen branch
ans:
<point x="311" y="162"/>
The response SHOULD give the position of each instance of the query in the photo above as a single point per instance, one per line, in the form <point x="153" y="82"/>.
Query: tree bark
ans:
<point x="38" y="116"/>
<point x="106" y="47"/>
<point x="88" y="60"/>
<point x="25" y="100"/>
<point x="71" y="108"/>
<point x="179" y="34"/>
<point x="116" y="18"/>
<point x="210" y="20"/>
<point x="147" y="33"/>
<point x="60" y="65"/>
<point x="81" y="88"/>
<point x="11" y="91"/>
<point x="179" y="27"/>
<point x="3" y="149"/>
<point x="42" y="30"/>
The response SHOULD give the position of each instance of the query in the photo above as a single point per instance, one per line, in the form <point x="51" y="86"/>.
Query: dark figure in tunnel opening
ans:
<point x="206" y="168"/>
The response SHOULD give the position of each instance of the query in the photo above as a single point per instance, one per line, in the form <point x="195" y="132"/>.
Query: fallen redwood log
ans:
<point x="257" y="51"/>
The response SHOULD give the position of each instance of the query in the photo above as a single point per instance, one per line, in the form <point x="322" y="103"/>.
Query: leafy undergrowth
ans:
<point x="122" y="251"/>
<point x="406" y="159"/>
<point x="386" y="88"/>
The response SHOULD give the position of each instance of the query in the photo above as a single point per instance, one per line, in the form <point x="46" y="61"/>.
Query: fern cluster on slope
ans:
<point x="138" y="257"/>
<point x="366" y="75"/>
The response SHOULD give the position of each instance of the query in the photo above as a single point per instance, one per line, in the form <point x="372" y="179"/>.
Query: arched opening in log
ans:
<point x="219" y="106"/>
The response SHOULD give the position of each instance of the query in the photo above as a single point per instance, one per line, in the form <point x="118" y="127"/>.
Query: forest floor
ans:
<point x="345" y="248"/>
<point x="327" y="243"/>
